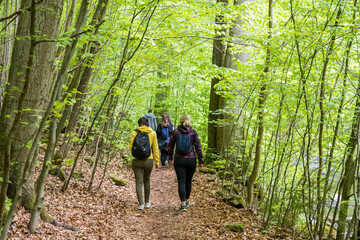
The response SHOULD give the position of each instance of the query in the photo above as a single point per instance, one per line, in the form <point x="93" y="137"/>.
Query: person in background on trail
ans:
<point x="144" y="149"/>
<point x="152" y="119"/>
<point x="185" y="138"/>
<point x="163" y="132"/>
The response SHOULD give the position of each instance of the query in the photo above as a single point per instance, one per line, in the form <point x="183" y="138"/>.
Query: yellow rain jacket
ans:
<point x="153" y="142"/>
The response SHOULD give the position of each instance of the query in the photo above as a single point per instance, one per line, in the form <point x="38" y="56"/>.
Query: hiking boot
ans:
<point x="182" y="208"/>
<point x="187" y="204"/>
<point x="162" y="167"/>
<point x="141" y="207"/>
<point x="147" y="205"/>
<point x="166" y="163"/>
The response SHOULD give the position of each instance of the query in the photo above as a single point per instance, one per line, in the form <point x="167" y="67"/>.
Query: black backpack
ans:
<point x="183" y="144"/>
<point x="141" y="145"/>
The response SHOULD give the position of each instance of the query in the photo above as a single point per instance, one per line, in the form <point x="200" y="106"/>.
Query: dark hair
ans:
<point x="143" y="121"/>
<point x="166" y="116"/>
<point x="150" y="110"/>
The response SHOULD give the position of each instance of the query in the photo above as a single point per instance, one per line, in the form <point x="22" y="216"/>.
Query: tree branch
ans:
<point x="202" y="37"/>
<point x="73" y="36"/>
<point x="18" y="12"/>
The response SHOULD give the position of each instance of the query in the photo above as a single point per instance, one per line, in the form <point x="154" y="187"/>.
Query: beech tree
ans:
<point x="47" y="23"/>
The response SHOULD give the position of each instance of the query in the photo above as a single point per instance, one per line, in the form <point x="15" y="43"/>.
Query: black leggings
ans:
<point x="184" y="168"/>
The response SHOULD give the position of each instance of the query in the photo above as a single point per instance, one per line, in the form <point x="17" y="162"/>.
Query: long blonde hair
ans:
<point x="185" y="120"/>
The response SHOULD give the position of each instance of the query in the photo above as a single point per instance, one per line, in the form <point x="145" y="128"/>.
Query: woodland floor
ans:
<point x="111" y="213"/>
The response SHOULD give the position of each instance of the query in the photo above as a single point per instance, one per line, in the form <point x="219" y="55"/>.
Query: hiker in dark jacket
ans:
<point x="186" y="139"/>
<point x="163" y="133"/>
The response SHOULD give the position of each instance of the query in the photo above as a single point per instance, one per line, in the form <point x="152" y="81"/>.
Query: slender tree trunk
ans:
<point x="6" y="48"/>
<point x="348" y="177"/>
<point x="103" y="136"/>
<point x="261" y="105"/>
<point x="82" y="87"/>
<point x="322" y="123"/>
<point x="70" y="16"/>
<point x="330" y="157"/>
<point x="40" y="184"/>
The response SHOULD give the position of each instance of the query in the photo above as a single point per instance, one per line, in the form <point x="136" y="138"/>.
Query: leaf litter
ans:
<point x="111" y="212"/>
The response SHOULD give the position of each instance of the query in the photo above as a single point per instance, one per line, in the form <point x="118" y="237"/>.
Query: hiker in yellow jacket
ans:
<point x="142" y="163"/>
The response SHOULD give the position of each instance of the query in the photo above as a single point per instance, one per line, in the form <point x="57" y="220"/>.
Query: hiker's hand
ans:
<point x="200" y="166"/>
<point x="171" y="161"/>
<point x="156" y="166"/>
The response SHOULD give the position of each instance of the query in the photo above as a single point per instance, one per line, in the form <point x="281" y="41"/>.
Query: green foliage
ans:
<point x="172" y="72"/>
<point x="68" y="161"/>
<point x="8" y="204"/>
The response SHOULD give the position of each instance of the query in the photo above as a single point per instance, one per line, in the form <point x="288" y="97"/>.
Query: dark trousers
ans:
<point x="185" y="169"/>
<point x="164" y="157"/>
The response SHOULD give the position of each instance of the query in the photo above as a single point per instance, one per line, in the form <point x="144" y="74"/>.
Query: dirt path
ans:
<point x="111" y="213"/>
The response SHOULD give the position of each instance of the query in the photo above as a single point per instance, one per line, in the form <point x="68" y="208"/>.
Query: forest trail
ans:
<point x="112" y="212"/>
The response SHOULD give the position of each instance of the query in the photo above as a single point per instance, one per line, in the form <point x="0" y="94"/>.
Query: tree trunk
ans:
<point x="219" y="50"/>
<point x="261" y="105"/>
<point x="321" y="127"/>
<point x="348" y="177"/>
<point x="40" y="184"/>
<point x="70" y="16"/>
<point x="83" y="85"/>
<point x="6" y="45"/>
<point x="17" y="118"/>
<point x="227" y="133"/>
<point x="47" y="23"/>
<point x="103" y="137"/>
